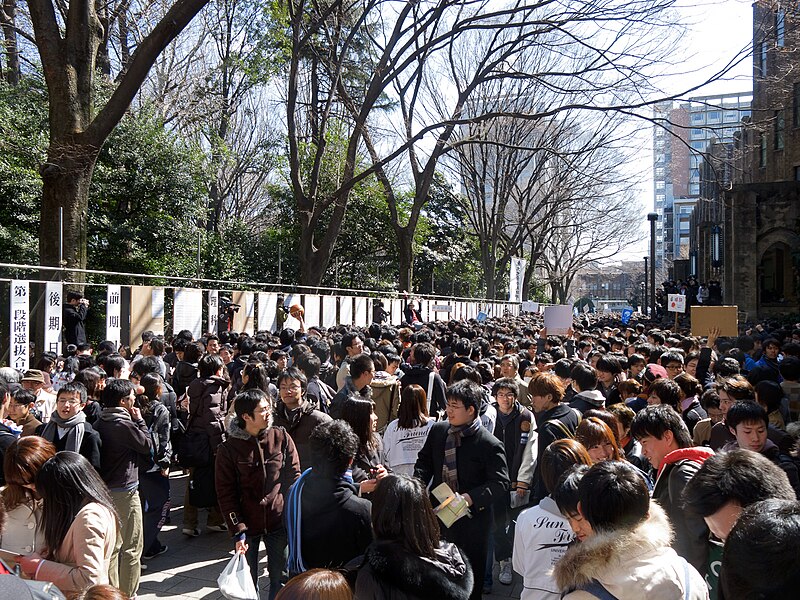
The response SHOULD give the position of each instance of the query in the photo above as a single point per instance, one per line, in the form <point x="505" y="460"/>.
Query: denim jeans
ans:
<point x="276" y="543"/>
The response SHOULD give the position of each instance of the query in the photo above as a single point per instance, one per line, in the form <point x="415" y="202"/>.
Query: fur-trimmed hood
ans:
<point x="447" y="577"/>
<point x="604" y="556"/>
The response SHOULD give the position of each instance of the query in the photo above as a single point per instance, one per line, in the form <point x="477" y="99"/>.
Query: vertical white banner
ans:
<point x="267" y="311"/>
<point x="345" y="310"/>
<point x="213" y="311"/>
<point x="187" y="312"/>
<point x="424" y="310"/>
<point x="397" y="311"/>
<point x="291" y="322"/>
<point x="329" y="307"/>
<point x="53" y="310"/>
<point x="114" y="314"/>
<point x="312" y="315"/>
<point x="19" y="353"/>
<point x="516" y="279"/>
<point x="249" y="309"/>
<point x="362" y="316"/>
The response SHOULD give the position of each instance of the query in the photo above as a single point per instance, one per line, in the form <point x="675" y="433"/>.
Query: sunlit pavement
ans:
<point x="189" y="569"/>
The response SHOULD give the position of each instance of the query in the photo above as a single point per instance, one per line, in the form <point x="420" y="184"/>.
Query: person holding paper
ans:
<point x="471" y="461"/>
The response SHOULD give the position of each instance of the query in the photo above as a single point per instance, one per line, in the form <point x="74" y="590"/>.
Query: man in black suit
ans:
<point x="472" y="461"/>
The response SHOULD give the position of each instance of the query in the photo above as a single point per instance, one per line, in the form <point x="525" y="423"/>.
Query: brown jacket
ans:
<point x="247" y="500"/>
<point x="386" y="396"/>
<point x="83" y="558"/>
<point x="29" y="425"/>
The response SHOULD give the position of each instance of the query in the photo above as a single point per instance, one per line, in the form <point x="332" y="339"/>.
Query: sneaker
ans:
<point x="506" y="575"/>
<point x="160" y="550"/>
<point x="216" y="528"/>
<point x="190" y="532"/>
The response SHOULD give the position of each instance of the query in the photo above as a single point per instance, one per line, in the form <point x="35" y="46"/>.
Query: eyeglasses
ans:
<point x="291" y="388"/>
<point x="504" y="395"/>
<point x="674" y="367"/>
<point x="68" y="402"/>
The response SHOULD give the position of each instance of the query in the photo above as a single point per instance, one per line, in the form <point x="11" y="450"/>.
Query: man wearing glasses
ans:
<point x="68" y="429"/>
<point x="296" y="414"/>
<point x="673" y="363"/>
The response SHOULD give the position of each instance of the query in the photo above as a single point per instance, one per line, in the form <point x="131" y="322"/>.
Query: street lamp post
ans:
<point x="652" y="217"/>
<point x="644" y="301"/>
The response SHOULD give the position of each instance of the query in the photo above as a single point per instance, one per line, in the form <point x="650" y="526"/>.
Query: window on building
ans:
<point x="731" y="116"/>
<point x="762" y="147"/>
<point x="779" y="127"/>
<point x="796" y="106"/>
<point x="659" y="172"/>
<point x="694" y="189"/>
<point x="698" y="145"/>
<point x="762" y="59"/>
<point x="687" y="210"/>
<point x="698" y="118"/>
<point x="780" y="28"/>
<point x="697" y="134"/>
<point x="714" y="116"/>
<point x="660" y="185"/>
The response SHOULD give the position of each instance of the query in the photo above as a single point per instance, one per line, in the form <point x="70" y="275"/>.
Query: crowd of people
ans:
<point x="422" y="461"/>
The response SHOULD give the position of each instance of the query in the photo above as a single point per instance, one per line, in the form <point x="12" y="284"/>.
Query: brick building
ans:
<point x="761" y="212"/>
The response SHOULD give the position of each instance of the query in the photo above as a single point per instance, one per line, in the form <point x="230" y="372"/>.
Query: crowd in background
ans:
<point x="330" y="447"/>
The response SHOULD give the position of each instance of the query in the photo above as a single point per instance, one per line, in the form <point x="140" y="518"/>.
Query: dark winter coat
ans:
<point x="514" y="437"/>
<point x="390" y="572"/>
<point x="74" y="323"/>
<point x="208" y="403"/>
<point x="691" y="531"/>
<point x="694" y="414"/>
<point x="481" y="460"/>
<point x="247" y="499"/>
<point x="549" y="432"/>
<point x="420" y="376"/>
<point x="299" y="425"/>
<point x="124" y="444"/>
<point x="90" y="445"/>
<point x="184" y="374"/>
<point x="336" y="526"/>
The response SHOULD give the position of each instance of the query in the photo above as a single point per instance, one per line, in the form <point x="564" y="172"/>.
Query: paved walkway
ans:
<point x="189" y="569"/>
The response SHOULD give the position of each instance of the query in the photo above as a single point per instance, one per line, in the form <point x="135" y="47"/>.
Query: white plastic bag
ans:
<point x="235" y="581"/>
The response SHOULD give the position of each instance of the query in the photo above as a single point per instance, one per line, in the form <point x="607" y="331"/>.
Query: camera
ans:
<point x="228" y="305"/>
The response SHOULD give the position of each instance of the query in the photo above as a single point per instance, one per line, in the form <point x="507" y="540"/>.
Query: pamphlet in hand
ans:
<point x="451" y="507"/>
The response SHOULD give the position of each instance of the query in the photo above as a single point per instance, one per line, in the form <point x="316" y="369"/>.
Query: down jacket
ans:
<point x="208" y="402"/>
<point x="631" y="564"/>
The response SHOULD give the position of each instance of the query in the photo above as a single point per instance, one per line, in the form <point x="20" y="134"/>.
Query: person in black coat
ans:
<point x="463" y="454"/>
<point x="408" y="560"/>
<point x="327" y="524"/>
<point x="421" y="373"/>
<point x="554" y="421"/>
<point x="75" y="318"/>
<point x="68" y="428"/>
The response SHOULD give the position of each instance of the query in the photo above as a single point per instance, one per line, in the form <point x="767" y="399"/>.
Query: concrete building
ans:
<point x="683" y="134"/>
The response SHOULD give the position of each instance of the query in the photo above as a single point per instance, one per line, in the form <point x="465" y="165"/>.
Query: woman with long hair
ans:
<point x="22" y="532"/>
<point x="154" y="476"/>
<point x="79" y="526"/>
<point x="405" y="436"/>
<point x="367" y="467"/>
<point x="408" y="559"/>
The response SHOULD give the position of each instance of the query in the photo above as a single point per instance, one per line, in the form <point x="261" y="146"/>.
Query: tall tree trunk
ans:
<point x="405" y="257"/>
<point x="11" y="72"/>
<point x="66" y="178"/>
